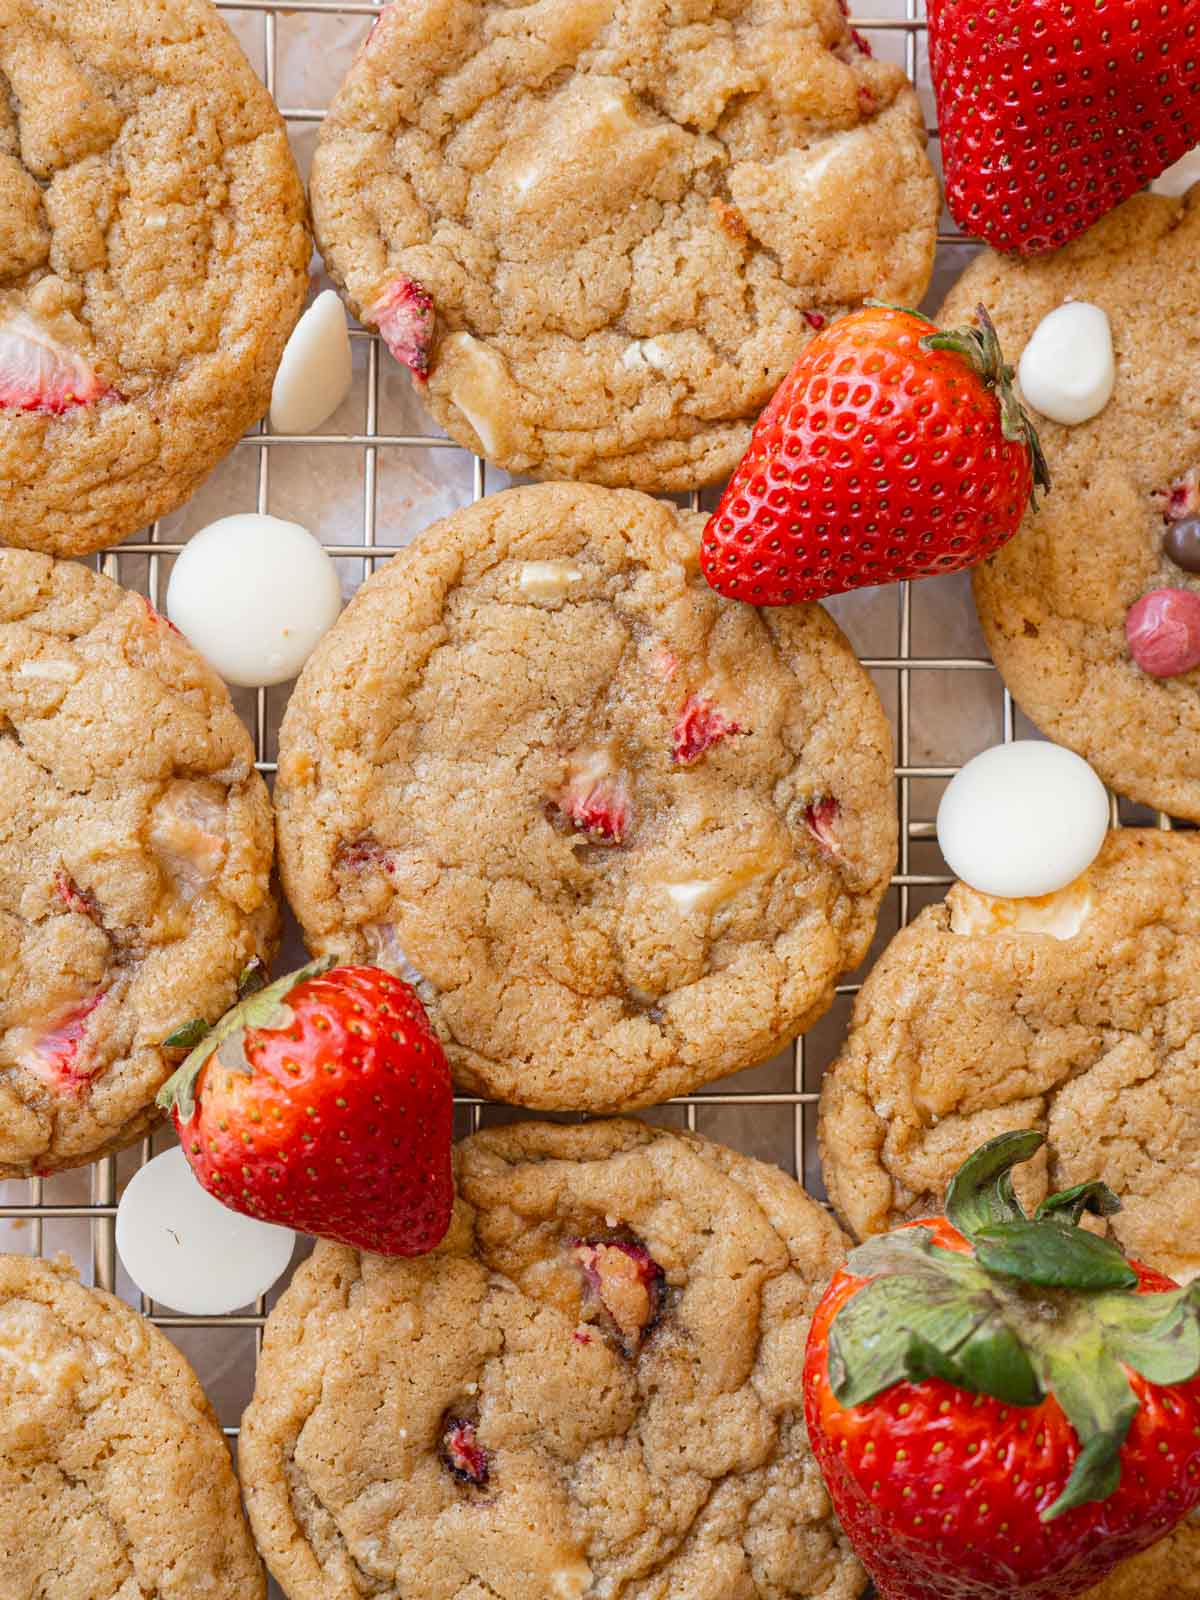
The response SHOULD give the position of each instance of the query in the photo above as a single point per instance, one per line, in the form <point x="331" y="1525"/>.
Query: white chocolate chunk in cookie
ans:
<point x="187" y="834"/>
<point x="1061" y="914"/>
<point x="646" y="353"/>
<point x="51" y="670"/>
<point x="546" y="581"/>
<point x="479" y="385"/>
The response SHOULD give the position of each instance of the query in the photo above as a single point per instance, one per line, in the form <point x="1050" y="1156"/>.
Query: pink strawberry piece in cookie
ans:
<point x="1183" y="497"/>
<point x="54" y="1055"/>
<point x="820" y="817"/>
<point x="462" y="1452"/>
<point x="815" y="319"/>
<point x="628" y="1283"/>
<point x="404" y="316"/>
<point x="699" y="726"/>
<point x="157" y="618"/>
<point x="39" y="374"/>
<point x="74" y="898"/>
<point x="362" y="854"/>
<point x="596" y="800"/>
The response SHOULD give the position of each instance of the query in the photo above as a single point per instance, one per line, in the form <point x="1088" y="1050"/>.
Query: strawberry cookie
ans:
<point x="1092" y="611"/>
<point x="598" y="232"/>
<point x="153" y="257"/>
<point x="1074" y="1013"/>
<point x="593" y="1387"/>
<point x="114" y="1478"/>
<point x="135" y="858"/>
<point x="622" y="834"/>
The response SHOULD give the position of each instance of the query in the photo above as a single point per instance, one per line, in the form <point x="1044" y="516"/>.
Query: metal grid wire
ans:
<point x="912" y="887"/>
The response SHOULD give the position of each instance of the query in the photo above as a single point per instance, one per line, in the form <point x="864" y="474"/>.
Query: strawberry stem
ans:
<point x="261" y="1008"/>
<point x="979" y="347"/>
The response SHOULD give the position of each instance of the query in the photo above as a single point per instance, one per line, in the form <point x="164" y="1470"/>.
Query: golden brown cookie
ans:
<point x="1054" y="601"/>
<point x="114" y="1478"/>
<point x="624" y="835"/>
<point x="153" y="258"/>
<point x="599" y="232"/>
<point x="974" y="1022"/>
<point x="1169" y="1570"/>
<point x="135" y="859"/>
<point x="592" y="1387"/>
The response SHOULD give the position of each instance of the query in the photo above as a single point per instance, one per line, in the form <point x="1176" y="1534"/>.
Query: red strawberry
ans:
<point x="39" y="374"/>
<point x="999" y="1406"/>
<point x="404" y="316"/>
<point x="1053" y="112"/>
<point x="323" y="1103"/>
<point x="889" y="451"/>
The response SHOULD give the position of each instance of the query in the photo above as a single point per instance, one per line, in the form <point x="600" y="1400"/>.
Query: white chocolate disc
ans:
<point x="314" y="373"/>
<point x="1068" y="370"/>
<point x="1022" y="819"/>
<point x="188" y="1251"/>
<point x="1178" y="179"/>
<point x="254" y="594"/>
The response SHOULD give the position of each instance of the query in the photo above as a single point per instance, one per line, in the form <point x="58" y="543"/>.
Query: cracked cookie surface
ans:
<point x="623" y="834"/>
<point x="1095" y="1038"/>
<point x="153" y="259"/>
<point x="114" y="1477"/>
<point x="576" y="1466"/>
<point x="605" y="229"/>
<point x="1053" y="602"/>
<point x="135" y="859"/>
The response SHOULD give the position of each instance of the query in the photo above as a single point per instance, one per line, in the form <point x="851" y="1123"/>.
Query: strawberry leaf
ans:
<point x="1090" y="1385"/>
<point x="1070" y="1204"/>
<point x="265" y="1008"/>
<point x="1157" y="1335"/>
<point x="187" y="1037"/>
<point x="1053" y="1256"/>
<point x="981" y="1191"/>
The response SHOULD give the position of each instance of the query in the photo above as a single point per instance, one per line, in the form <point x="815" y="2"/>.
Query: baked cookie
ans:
<point x="622" y="834"/>
<point x="153" y="258"/>
<point x="135" y="859"/>
<point x="1169" y="1570"/>
<point x="1054" y="601"/>
<point x="1077" y="1014"/>
<point x="114" y="1478"/>
<point x="599" y="232"/>
<point x="593" y="1387"/>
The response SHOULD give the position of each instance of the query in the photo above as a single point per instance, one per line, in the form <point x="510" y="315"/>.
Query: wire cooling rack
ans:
<point x="920" y="645"/>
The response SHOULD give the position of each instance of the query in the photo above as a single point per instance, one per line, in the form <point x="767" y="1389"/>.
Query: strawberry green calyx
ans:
<point x="1032" y="1307"/>
<point x="980" y="349"/>
<point x="260" y="1007"/>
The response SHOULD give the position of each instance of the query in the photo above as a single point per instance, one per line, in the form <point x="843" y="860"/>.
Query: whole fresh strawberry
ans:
<point x="1052" y="112"/>
<point x="891" y="450"/>
<point x="1004" y="1407"/>
<point x="323" y="1103"/>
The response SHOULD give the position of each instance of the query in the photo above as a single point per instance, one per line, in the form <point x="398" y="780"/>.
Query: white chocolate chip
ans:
<point x="1068" y="371"/>
<point x="314" y="373"/>
<point x="1177" y="180"/>
<point x="50" y="671"/>
<point x="479" y="387"/>
<point x="546" y="581"/>
<point x="569" y="1583"/>
<point x="646" y="353"/>
<point x="1022" y="819"/>
<point x="698" y="894"/>
<point x="1060" y="915"/>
